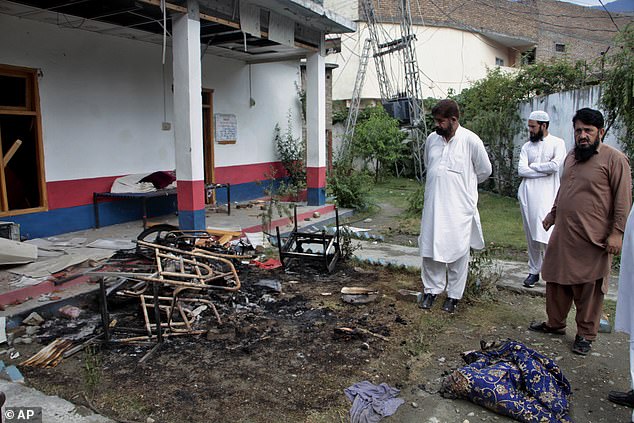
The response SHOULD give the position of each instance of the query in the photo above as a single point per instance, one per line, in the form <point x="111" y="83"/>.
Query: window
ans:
<point x="22" y="184"/>
<point x="528" y="57"/>
<point x="499" y="62"/>
<point x="560" y="48"/>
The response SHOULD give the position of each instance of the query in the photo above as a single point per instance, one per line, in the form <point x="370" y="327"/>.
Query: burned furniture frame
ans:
<point x="182" y="276"/>
<point x="297" y="246"/>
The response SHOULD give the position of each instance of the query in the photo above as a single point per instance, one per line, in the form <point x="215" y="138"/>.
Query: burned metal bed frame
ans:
<point x="301" y="245"/>
<point x="173" y="290"/>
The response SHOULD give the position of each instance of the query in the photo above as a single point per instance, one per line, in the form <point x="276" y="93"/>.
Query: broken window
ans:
<point x="560" y="48"/>
<point x="21" y="158"/>
<point x="528" y="57"/>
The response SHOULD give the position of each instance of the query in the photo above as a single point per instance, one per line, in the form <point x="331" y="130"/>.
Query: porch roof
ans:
<point x="220" y="27"/>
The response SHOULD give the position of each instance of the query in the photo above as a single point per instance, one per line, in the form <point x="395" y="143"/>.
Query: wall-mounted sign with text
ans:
<point x="226" y="128"/>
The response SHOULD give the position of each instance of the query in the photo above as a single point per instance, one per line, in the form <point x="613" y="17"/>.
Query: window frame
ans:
<point x="32" y="108"/>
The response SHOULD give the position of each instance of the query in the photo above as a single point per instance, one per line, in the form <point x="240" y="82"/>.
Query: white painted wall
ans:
<point x="447" y="57"/>
<point x="561" y="107"/>
<point x="273" y="87"/>
<point x="102" y="100"/>
<point x="347" y="8"/>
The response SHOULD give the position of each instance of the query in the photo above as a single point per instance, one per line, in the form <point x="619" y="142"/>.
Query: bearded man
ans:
<point x="456" y="162"/>
<point x="589" y="215"/>
<point x="538" y="166"/>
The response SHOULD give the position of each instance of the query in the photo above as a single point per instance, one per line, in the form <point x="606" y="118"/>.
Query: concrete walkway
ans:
<point x="54" y="409"/>
<point x="512" y="273"/>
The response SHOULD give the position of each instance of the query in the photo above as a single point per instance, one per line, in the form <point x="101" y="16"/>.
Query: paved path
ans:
<point x="54" y="409"/>
<point x="512" y="273"/>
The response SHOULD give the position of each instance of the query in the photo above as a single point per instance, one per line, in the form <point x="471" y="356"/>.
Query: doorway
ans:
<point x="208" y="142"/>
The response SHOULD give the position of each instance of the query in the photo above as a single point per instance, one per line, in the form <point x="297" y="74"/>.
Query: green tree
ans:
<point x="378" y="140"/>
<point x="617" y="98"/>
<point x="489" y="108"/>
<point x="546" y="78"/>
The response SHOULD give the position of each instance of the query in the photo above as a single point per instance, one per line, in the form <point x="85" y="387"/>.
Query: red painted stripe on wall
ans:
<point x="76" y="192"/>
<point x="248" y="173"/>
<point x="191" y="195"/>
<point x="315" y="177"/>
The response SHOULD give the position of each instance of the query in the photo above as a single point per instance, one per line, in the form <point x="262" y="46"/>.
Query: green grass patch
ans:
<point x="500" y="216"/>
<point x="394" y="191"/>
<point x="502" y="226"/>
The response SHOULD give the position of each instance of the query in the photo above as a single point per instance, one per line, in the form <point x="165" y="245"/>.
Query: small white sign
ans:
<point x="226" y="128"/>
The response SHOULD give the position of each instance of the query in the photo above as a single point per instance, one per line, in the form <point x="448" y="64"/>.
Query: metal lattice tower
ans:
<point x="413" y="88"/>
<point x="407" y="43"/>
<point x="384" y="83"/>
<point x="353" y="113"/>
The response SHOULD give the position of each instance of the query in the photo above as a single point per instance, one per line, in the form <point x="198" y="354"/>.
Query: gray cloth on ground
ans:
<point x="370" y="403"/>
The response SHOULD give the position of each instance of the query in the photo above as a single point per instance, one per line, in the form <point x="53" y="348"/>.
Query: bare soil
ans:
<point x="278" y="357"/>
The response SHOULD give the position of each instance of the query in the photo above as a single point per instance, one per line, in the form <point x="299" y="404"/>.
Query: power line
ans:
<point x="610" y="15"/>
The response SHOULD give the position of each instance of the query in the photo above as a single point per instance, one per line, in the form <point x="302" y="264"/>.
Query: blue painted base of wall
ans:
<point x="59" y="221"/>
<point x="191" y="220"/>
<point x="316" y="196"/>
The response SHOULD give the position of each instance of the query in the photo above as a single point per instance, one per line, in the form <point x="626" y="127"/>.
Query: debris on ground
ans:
<point x="16" y="252"/>
<point x="370" y="402"/>
<point x="69" y="311"/>
<point x="49" y="356"/>
<point x="358" y="295"/>
<point x="33" y="319"/>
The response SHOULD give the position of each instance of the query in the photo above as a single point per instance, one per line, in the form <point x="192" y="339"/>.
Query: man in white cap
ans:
<point x="538" y="166"/>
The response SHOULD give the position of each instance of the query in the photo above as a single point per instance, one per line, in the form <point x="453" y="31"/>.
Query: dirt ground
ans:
<point x="279" y="357"/>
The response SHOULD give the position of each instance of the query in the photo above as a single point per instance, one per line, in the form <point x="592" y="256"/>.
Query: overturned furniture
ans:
<point x="172" y="291"/>
<point x="318" y="248"/>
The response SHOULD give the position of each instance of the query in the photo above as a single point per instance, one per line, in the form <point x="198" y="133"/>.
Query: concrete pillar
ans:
<point x="316" y="129"/>
<point x="188" y="119"/>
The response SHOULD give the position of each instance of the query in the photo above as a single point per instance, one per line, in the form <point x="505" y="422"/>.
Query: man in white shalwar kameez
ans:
<point x="624" y="321"/>
<point x="456" y="162"/>
<point x="538" y="166"/>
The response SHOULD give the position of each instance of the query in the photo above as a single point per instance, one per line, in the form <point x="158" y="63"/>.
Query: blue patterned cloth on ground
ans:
<point x="370" y="403"/>
<point x="515" y="381"/>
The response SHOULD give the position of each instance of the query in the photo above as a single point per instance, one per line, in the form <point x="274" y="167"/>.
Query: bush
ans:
<point x="379" y="140"/>
<point x="349" y="187"/>
<point x="617" y="98"/>
<point x="415" y="201"/>
<point x="482" y="278"/>
<point x="291" y="152"/>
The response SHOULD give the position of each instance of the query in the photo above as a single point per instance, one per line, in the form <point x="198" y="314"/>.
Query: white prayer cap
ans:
<point x="539" y="116"/>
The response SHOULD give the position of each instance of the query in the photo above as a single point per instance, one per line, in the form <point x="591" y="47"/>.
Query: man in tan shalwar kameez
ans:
<point x="589" y="215"/>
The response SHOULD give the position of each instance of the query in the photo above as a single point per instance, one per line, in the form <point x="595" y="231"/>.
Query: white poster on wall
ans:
<point x="226" y="128"/>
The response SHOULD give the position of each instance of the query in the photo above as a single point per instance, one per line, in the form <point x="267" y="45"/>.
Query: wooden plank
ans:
<point x="11" y="152"/>
<point x="226" y="22"/>
<point x="4" y="201"/>
<point x="221" y="232"/>
<point x="203" y="16"/>
<point x="224" y="239"/>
